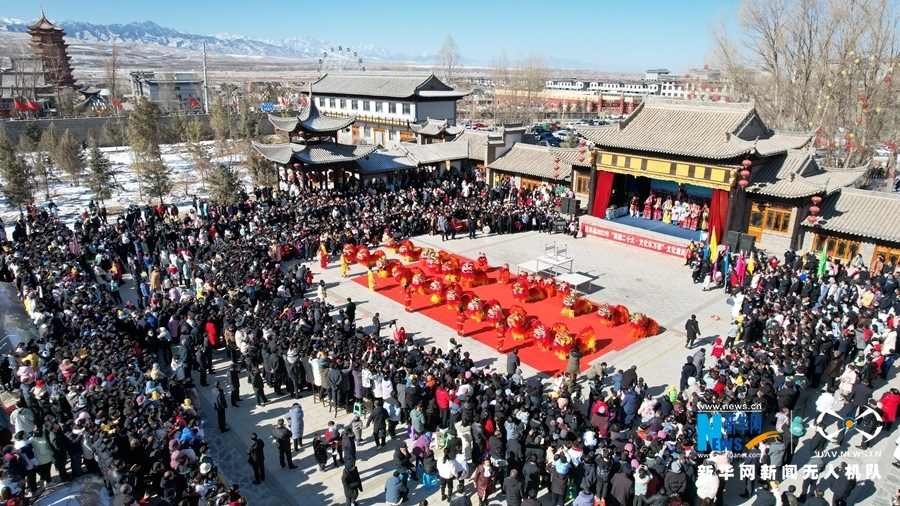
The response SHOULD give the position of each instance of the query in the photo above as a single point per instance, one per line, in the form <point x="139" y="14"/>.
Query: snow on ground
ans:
<point x="73" y="200"/>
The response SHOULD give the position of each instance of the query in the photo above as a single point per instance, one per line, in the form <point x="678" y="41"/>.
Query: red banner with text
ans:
<point x="666" y="248"/>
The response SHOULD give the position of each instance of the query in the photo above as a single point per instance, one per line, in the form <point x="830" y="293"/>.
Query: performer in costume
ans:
<point x="704" y="218"/>
<point x="667" y="211"/>
<point x="685" y="215"/>
<point x="657" y="209"/>
<point x="407" y="298"/>
<point x="695" y="216"/>
<point x="648" y="205"/>
<point x="323" y="256"/>
<point x="635" y="202"/>
<point x="343" y="266"/>
<point x="482" y="263"/>
<point x="371" y="276"/>
<point x="501" y="335"/>
<point x="676" y="212"/>
<point x="461" y="320"/>
<point x="503" y="274"/>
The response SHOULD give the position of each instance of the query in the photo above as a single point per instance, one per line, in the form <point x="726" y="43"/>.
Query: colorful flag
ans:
<point x="34" y="106"/>
<point x="750" y="264"/>
<point x="823" y="260"/>
<point x="20" y="106"/>
<point x="713" y="252"/>
<point x="193" y="102"/>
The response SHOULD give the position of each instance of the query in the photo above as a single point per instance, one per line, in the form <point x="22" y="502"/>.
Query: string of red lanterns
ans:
<point x="745" y="174"/>
<point x="814" y="210"/>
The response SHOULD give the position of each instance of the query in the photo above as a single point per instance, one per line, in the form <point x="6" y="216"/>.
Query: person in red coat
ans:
<point x="888" y="404"/>
<point x="407" y="299"/>
<point x="212" y="333"/>
<point x="501" y="334"/>
<point x="484" y="480"/>
<point x="460" y="320"/>
<point x="323" y="256"/>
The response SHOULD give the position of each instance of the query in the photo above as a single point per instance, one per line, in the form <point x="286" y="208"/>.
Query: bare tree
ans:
<point x="822" y="65"/>
<point x="448" y="60"/>
<point x="500" y="105"/>
<point x="111" y="68"/>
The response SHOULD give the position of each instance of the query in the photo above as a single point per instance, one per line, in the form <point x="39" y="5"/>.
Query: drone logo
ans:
<point x="849" y="424"/>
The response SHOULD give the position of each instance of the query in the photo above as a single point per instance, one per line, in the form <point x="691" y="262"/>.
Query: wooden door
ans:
<point x="757" y="220"/>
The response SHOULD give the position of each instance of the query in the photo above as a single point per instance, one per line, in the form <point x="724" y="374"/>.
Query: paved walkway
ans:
<point x="655" y="284"/>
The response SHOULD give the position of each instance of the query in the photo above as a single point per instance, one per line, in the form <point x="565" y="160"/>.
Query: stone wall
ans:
<point x="81" y="126"/>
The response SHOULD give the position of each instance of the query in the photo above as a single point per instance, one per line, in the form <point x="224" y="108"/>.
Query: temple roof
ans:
<point x="316" y="154"/>
<point x="538" y="161"/>
<point x="379" y="162"/>
<point x="423" y="154"/>
<point x="44" y="24"/>
<point x="795" y="174"/>
<point x="435" y="127"/>
<point x="862" y="213"/>
<point x="479" y="140"/>
<point x="386" y="86"/>
<point x="711" y="130"/>
<point x="311" y="120"/>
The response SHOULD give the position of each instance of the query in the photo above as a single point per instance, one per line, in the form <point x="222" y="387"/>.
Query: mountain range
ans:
<point x="148" y="32"/>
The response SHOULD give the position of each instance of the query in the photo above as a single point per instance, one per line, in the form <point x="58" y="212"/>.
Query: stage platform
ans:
<point x="658" y="227"/>
<point x="620" y="231"/>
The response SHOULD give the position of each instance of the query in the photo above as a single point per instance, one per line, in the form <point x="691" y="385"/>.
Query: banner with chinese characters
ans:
<point x="666" y="248"/>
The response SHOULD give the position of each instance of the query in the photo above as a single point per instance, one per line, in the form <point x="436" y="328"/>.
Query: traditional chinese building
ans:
<point x="51" y="48"/>
<point x="529" y="166"/>
<point x="723" y="160"/>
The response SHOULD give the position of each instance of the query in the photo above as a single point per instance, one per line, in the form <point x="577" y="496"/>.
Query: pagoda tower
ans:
<point x="50" y="47"/>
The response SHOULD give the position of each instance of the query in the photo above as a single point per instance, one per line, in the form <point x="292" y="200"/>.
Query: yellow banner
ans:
<point x="710" y="176"/>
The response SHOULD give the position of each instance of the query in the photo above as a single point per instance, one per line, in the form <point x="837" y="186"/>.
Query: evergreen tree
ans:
<point x="145" y="133"/>
<point x="70" y="157"/>
<point x="220" y="122"/>
<point x="248" y="123"/>
<point x="36" y="158"/>
<point x="17" y="184"/>
<point x="100" y="178"/>
<point x="224" y="185"/>
<point x="115" y="132"/>
<point x="199" y="154"/>
<point x="175" y="132"/>
<point x="32" y="131"/>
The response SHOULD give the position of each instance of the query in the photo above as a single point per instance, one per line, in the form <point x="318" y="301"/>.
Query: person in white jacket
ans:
<point x="707" y="482"/>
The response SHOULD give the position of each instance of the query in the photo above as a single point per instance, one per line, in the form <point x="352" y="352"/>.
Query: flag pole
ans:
<point x="205" y="83"/>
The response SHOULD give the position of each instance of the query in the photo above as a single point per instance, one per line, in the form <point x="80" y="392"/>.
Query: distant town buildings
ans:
<point x="172" y="90"/>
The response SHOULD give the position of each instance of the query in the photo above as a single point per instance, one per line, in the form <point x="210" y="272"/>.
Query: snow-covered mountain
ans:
<point x="149" y="32"/>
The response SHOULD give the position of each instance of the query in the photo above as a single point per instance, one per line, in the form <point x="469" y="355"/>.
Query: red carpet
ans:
<point x="547" y="311"/>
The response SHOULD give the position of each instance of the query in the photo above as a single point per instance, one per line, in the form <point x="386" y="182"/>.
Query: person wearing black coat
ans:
<point x="378" y="416"/>
<point x="514" y="489"/>
<point x="688" y="370"/>
<point x="221" y="406"/>
<point x="691" y="331"/>
<point x="320" y="451"/>
<point x="842" y="486"/>
<point x="348" y="442"/>
<point x="352" y="483"/>
<point x="256" y="457"/>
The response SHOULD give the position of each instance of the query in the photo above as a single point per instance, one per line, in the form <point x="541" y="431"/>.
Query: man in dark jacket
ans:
<point x="257" y="458"/>
<point x="676" y="482"/>
<point x="512" y="363"/>
<point x="764" y="496"/>
<point x="629" y="378"/>
<point x="378" y="416"/>
<point x="842" y="486"/>
<point x="221" y="406"/>
<point x="688" y="370"/>
<point x="514" y="489"/>
<point x="691" y="331"/>
<point x="348" y="442"/>
<point x="621" y="488"/>
<point x="282" y="436"/>
<point x="460" y="498"/>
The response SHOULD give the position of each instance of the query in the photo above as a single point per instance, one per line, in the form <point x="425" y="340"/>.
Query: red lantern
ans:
<point x="887" y="79"/>
<point x="705" y="66"/>
<point x="859" y="120"/>
<point x="582" y="142"/>
<point x="814" y="209"/>
<point x="556" y="160"/>
<point x="704" y="86"/>
<point x="687" y="76"/>
<point x="580" y="158"/>
<point x="862" y="97"/>
<point x="556" y="168"/>
<point x="819" y="131"/>
<point x="746" y="164"/>
<point x="816" y="199"/>
<point x="812" y="219"/>
<point x="745" y="173"/>
<point x="581" y="150"/>
<point x="556" y="175"/>
<point x="743" y="183"/>
<point x="847" y="137"/>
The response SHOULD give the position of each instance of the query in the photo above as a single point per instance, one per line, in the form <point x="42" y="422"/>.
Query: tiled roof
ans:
<point x="862" y="213"/>
<point x="311" y="120"/>
<point x="532" y="160"/>
<point x="423" y="154"/>
<point x="386" y="86"/>
<point x="712" y="130"/>
<point x="380" y="162"/>
<point x="571" y="156"/>
<point x="44" y="24"/>
<point x="316" y="154"/>
<point x="431" y="127"/>
<point x="479" y="140"/>
<point x="795" y="174"/>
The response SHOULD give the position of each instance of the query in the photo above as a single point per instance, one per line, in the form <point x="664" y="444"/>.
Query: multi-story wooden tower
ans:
<point x="52" y="49"/>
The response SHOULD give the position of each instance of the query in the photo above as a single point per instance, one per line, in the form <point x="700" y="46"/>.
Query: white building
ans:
<point x="384" y="104"/>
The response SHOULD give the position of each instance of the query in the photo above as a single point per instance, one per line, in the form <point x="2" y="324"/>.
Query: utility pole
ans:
<point x="205" y="82"/>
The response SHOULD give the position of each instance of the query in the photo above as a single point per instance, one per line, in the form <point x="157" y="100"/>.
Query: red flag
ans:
<point x="19" y="105"/>
<point x="193" y="102"/>
<point x="34" y="106"/>
<point x="116" y="104"/>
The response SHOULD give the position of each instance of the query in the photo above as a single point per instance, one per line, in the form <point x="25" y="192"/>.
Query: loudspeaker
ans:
<point x="733" y="240"/>
<point x="747" y="243"/>
<point x="568" y="205"/>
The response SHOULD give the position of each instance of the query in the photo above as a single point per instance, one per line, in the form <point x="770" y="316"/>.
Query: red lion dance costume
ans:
<point x="549" y="285"/>
<point x="436" y="288"/>
<point x="642" y="326"/>
<point x="503" y="274"/>
<point x="403" y="276"/>
<point x="453" y="296"/>
<point x="563" y="290"/>
<point x="419" y="281"/>
<point x="482" y="263"/>
<point x="390" y="269"/>
<point x="563" y="340"/>
<point x="611" y="315"/>
<point x="516" y="323"/>
<point x="450" y="270"/>
<point x="587" y="340"/>
<point x="409" y="252"/>
<point x="493" y="312"/>
<point x="542" y="335"/>
<point x="576" y="306"/>
<point x="389" y="243"/>
<point x="349" y="253"/>
<point x="475" y="307"/>
<point x="470" y="276"/>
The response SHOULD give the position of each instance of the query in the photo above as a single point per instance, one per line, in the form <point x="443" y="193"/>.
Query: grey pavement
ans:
<point x="642" y="280"/>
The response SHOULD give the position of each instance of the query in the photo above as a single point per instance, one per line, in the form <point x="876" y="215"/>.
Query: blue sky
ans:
<point x="613" y="35"/>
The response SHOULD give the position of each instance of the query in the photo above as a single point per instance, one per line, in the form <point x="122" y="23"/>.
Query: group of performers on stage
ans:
<point x="686" y="214"/>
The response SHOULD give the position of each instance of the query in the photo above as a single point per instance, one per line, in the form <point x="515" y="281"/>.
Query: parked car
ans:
<point x="562" y="135"/>
<point x="550" y="142"/>
<point x="537" y="129"/>
<point x="479" y="126"/>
